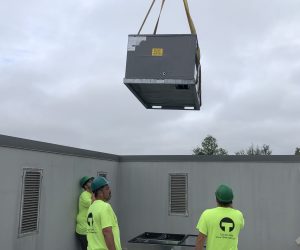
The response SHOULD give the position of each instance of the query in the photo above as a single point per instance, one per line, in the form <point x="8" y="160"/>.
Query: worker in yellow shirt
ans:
<point x="103" y="230"/>
<point x="85" y="200"/>
<point x="220" y="226"/>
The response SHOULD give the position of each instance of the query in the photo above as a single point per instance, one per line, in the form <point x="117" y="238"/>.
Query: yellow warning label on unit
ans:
<point x="157" y="52"/>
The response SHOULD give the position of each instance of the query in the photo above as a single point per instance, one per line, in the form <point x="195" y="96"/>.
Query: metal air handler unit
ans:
<point x="162" y="71"/>
<point x="162" y="241"/>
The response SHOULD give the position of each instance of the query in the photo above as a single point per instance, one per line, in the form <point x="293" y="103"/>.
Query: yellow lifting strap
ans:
<point x="190" y="21"/>
<point x="192" y="26"/>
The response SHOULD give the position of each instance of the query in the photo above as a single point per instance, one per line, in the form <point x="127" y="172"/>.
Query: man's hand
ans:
<point x="200" y="241"/>
<point x="109" y="238"/>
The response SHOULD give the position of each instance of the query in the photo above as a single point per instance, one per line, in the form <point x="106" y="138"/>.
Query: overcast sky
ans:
<point x="62" y="65"/>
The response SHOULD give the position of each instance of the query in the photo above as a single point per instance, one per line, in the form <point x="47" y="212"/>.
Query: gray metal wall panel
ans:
<point x="267" y="193"/>
<point x="26" y="144"/>
<point x="211" y="158"/>
<point x="59" y="194"/>
<point x="266" y="190"/>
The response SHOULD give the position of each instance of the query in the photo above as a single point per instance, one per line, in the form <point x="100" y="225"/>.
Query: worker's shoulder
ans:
<point x="233" y="212"/>
<point x="219" y="210"/>
<point x="99" y="204"/>
<point x="85" y="194"/>
<point x="238" y="212"/>
<point x="208" y="211"/>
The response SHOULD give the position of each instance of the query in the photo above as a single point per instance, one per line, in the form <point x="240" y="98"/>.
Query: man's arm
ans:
<point x="200" y="241"/>
<point x="109" y="238"/>
<point x="86" y="200"/>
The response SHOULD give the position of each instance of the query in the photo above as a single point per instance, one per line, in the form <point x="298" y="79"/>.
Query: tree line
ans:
<point x="209" y="146"/>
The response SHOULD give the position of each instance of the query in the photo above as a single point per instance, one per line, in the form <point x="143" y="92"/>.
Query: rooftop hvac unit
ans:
<point x="164" y="71"/>
<point x="162" y="241"/>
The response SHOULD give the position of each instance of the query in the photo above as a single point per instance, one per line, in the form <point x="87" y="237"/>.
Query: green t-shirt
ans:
<point x="100" y="216"/>
<point x="222" y="227"/>
<point x="85" y="200"/>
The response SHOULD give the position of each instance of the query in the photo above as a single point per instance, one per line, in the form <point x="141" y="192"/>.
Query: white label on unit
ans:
<point x="298" y="241"/>
<point x="134" y="41"/>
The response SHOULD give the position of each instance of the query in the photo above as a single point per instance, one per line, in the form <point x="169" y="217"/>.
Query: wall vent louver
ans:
<point x="178" y="198"/>
<point x="102" y="173"/>
<point x="30" y="206"/>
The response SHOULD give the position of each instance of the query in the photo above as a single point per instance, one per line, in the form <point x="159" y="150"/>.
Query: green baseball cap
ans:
<point x="99" y="182"/>
<point x="224" y="194"/>
<point x="84" y="180"/>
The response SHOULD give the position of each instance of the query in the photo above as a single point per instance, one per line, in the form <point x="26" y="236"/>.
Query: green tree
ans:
<point x="297" y="151"/>
<point x="241" y="152"/>
<point x="263" y="150"/>
<point x="209" y="147"/>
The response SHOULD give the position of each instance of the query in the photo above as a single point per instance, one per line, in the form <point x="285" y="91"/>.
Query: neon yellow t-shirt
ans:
<point x="100" y="216"/>
<point x="85" y="200"/>
<point x="222" y="227"/>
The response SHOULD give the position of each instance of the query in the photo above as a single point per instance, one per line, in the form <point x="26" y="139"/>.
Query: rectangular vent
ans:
<point x="31" y="189"/>
<point x="178" y="199"/>
<point x="103" y="174"/>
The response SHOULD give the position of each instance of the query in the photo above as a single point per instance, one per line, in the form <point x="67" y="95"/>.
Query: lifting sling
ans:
<point x="190" y="21"/>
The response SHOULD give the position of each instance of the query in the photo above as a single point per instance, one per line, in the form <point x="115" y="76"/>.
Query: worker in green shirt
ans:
<point x="103" y="230"/>
<point x="220" y="226"/>
<point x="85" y="200"/>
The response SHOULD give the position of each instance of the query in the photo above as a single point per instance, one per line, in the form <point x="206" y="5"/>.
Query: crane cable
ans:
<point x="161" y="7"/>
<point x="146" y="17"/>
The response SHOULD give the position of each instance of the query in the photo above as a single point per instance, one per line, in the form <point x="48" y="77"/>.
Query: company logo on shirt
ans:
<point x="227" y="225"/>
<point x="90" y="220"/>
